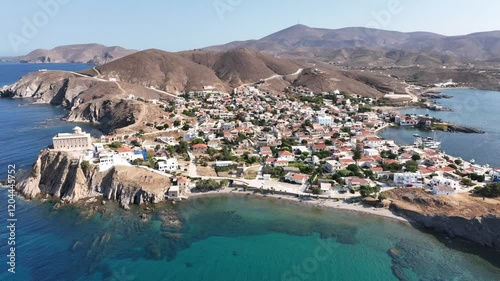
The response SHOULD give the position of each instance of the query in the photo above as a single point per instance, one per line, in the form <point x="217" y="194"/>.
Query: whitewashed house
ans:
<point x="170" y="165"/>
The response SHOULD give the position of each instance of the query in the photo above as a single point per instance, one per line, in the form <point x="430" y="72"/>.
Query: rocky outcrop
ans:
<point x="459" y="216"/>
<point x="61" y="175"/>
<point x="484" y="230"/>
<point x="88" y="100"/>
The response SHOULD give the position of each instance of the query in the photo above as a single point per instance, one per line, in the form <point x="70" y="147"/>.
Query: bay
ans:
<point x="472" y="108"/>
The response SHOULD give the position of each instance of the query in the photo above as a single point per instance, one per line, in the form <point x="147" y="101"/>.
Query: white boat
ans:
<point x="416" y="135"/>
<point x="473" y="161"/>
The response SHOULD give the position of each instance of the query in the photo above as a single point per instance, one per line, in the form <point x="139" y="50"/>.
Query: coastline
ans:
<point x="312" y="202"/>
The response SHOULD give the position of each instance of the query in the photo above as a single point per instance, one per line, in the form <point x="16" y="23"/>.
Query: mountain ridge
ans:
<point x="91" y="53"/>
<point x="318" y="42"/>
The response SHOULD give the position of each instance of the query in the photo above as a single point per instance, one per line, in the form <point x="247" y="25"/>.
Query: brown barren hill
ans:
<point x="162" y="70"/>
<point x="241" y="66"/>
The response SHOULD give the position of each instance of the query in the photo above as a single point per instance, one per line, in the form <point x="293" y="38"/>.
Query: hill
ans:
<point x="83" y="53"/>
<point x="188" y="71"/>
<point x="359" y="45"/>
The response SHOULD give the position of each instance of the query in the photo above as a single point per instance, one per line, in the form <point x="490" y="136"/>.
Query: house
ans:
<point x="408" y="122"/>
<point x="442" y="181"/>
<point x="215" y="144"/>
<point x="345" y="162"/>
<point x="106" y="160"/>
<point x="296" y="178"/>
<point x="286" y="155"/>
<point x="200" y="148"/>
<point x="266" y="151"/>
<point x="318" y="147"/>
<point x="443" y="190"/>
<point x="324" y="120"/>
<point x="325" y="187"/>
<point x="495" y="176"/>
<point x="171" y="165"/>
<point x="126" y="153"/>
<point x="174" y="193"/>
<point x="408" y="179"/>
<point x="371" y="152"/>
<point x="183" y="183"/>
<point x="374" y="142"/>
<point x="356" y="182"/>
<point x="332" y="166"/>
<point x="280" y="163"/>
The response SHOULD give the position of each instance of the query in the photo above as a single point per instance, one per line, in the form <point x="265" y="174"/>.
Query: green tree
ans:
<point x="316" y="190"/>
<point x="358" y="152"/>
<point x="198" y="141"/>
<point x="416" y="157"/>
<point x="411" y="166"/>
<point x="491" y="190"/>
<point x="177" y="123"/>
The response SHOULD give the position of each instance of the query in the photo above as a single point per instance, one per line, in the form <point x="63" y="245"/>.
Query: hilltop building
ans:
<point x="78" y="140"/>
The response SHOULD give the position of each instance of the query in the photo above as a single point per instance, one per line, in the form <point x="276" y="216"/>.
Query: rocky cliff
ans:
<point x="459" y="216"/>
<point x="87" y="99"/>
<point x="61" y="175"/>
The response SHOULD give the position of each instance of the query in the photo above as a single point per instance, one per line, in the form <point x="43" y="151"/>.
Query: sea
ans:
<point x="469" y="107"/>
<point x="228" y="237"/>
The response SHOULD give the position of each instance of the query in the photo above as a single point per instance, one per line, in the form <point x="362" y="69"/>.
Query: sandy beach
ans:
<point x="322" y="203"/>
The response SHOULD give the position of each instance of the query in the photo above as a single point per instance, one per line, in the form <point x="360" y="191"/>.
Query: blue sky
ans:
<point x="187" y="24"/>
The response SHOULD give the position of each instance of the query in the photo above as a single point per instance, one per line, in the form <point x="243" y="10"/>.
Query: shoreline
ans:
<point x="312" y="202"/>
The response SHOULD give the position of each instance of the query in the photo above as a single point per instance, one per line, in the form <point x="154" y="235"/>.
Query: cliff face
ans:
<point x="87" y="99"/>
<point x="59" y="174"/>
<point x="459" y="216"/>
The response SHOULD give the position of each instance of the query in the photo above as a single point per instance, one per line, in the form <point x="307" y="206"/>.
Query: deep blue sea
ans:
<point x="225" y="238"/>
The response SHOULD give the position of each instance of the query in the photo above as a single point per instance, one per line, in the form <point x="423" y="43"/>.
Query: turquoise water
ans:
<point x="227" y="238"/>
<point x="474" y="108"/>
<point x="26" y="129"/>
<point x="232" y="238"/>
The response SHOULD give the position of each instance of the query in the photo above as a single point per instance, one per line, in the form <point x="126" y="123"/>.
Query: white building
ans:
<point x="443" y="190"/>
<point x="174" y="193"/>
<point x="331" y="166"/>
<point x="223" y="163"/>
<point x="170" y="165"/>
<point x="370" y="152"/>
<point x="106" y="160"/>
<point x="442" y="181"/>
<point x="324" y="120"/>
<point x="408" y="178"/>
<point x="297" y="178"/>
<point x="78" y="140"/>
<point x="325" y="187"/>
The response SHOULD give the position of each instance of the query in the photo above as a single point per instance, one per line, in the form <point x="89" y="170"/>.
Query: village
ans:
<point x="295" y="143"/>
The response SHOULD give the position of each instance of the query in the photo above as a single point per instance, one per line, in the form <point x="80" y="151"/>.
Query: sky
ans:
<point x="188" y="24"/>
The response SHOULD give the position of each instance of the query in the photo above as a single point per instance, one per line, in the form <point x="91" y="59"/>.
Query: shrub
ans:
<point x="491" y="190"/>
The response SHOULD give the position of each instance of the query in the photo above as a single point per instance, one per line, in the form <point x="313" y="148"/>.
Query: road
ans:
<point x="273" y="77"/>
<point x="117" y="83"/>
<point x="192" y="171"/>
<point x="414" y="98"/>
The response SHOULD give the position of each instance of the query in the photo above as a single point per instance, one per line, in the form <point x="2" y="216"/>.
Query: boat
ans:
<point x="473" y="161"/>
<point x="416" y="135"/>
<point x="427" y="142"/>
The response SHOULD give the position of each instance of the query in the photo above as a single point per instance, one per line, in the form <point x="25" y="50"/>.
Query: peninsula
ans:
<point x="202" y="122"/>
